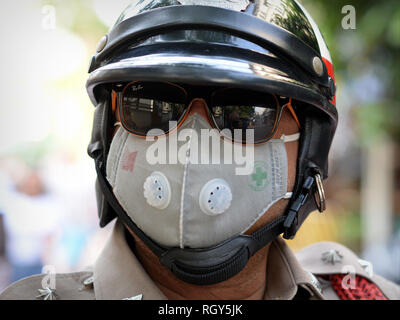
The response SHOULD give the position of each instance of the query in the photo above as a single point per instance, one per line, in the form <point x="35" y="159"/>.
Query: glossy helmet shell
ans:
<point x="269" y="45"/>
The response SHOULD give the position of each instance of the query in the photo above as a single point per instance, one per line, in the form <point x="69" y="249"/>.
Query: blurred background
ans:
<point x="48" y="211"/>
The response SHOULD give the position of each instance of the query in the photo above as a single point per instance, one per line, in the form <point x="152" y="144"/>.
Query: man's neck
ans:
<point x="248" y="284"/>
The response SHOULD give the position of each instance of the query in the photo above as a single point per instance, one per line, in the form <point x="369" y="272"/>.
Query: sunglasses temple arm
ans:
<point x="113" y="101"/>
<point x="289" y="106"/>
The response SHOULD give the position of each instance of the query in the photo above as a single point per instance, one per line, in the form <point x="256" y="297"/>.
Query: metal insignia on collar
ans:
<point x="88" y="282"/>
<point x="138" y="297"/>
<point x="332" y="256"/>
<point x="367" y="266"/>
<point x="315" y="282"/>
<point x="47" y="294"/>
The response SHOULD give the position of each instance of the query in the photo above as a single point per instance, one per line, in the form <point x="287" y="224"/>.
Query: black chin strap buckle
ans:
<point x="290" y="224"/>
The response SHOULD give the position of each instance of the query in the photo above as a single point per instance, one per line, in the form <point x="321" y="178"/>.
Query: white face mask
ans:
<point x="194" y="205"/>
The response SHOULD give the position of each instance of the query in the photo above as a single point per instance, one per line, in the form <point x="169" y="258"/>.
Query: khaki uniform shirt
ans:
<point x="117" y="274"/>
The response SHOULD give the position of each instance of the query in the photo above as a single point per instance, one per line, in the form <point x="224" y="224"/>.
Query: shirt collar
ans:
<point x="119" y="275"/>
<point x="285" y="274"/>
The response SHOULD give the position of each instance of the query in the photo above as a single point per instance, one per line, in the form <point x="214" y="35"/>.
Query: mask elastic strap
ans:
<point x="288" y="195"/>
<point x="290" y="138"/>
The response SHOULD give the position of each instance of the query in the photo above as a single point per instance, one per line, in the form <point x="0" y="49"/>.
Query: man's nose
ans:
<point x="199" y="106"/>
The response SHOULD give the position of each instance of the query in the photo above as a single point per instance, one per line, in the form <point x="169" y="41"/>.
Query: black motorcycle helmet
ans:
<point x="264" y="45"/>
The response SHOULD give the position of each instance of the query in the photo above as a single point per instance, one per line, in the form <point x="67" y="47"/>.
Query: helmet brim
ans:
<point x="274" y="75"/>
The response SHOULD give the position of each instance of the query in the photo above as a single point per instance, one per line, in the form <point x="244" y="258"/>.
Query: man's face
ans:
<point x="287" y="126"/>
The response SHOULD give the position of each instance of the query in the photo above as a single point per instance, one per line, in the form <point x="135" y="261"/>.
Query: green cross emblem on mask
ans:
<point x="259" y="176"/>
<point x="258" y="180"/>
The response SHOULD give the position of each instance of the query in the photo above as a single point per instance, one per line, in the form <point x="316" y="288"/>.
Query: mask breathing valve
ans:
<point x="215" y="197"/>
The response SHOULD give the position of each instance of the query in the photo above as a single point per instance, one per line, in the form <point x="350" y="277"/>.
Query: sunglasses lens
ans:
<point x="242" y="109"/>
<point x="149" y="105"/>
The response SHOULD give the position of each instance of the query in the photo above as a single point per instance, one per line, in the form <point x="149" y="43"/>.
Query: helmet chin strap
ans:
<point x="213" y="264"/>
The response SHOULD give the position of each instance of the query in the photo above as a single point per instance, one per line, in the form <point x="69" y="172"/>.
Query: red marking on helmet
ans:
<point x="128" y="161"/>
<point x="331" y="73"/>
